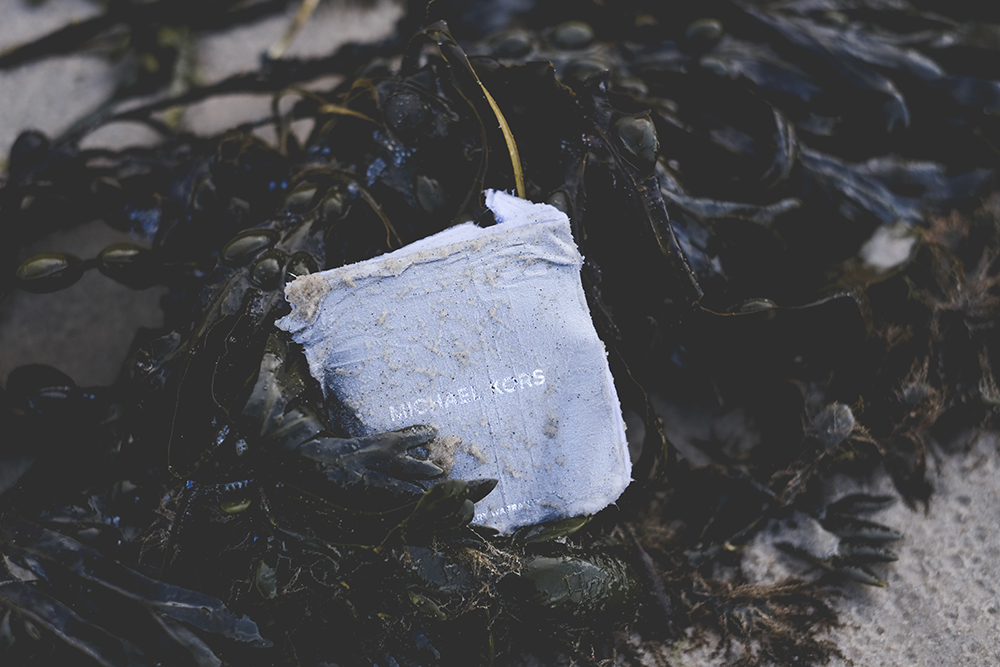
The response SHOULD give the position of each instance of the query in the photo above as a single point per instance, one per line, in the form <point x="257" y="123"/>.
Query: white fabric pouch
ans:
<point x="485" y="334"/>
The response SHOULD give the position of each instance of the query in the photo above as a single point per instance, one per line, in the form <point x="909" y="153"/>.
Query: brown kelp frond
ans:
<point x="972" y="292"/>
<point x="756" y="625"/>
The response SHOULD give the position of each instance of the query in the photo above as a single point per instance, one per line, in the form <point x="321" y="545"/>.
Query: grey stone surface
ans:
<point x="84" y="330"/>
<point x="942" y="606"/>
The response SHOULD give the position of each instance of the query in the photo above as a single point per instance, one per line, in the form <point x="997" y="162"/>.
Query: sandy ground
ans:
<point x="942" y="606"/>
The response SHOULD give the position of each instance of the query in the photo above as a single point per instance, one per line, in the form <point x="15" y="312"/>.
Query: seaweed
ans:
<point x="788" y="256"/>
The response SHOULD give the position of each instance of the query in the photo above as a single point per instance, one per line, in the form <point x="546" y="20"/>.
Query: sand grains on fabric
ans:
<point x="485" y="334"/>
